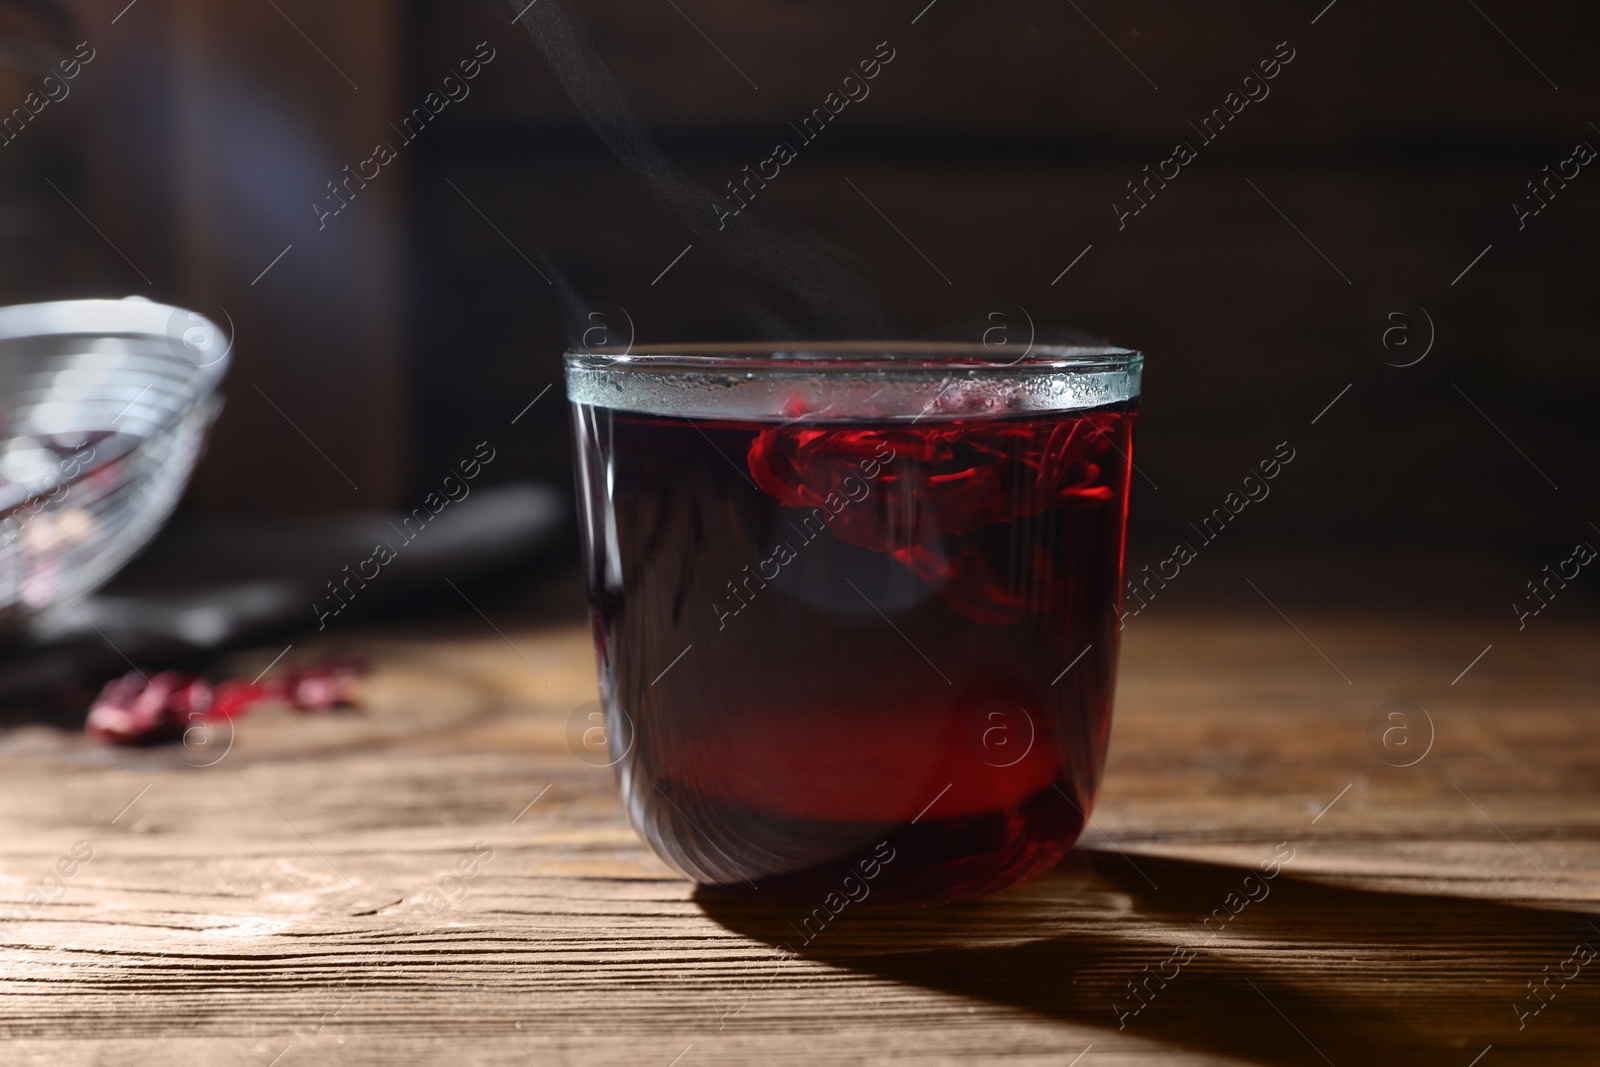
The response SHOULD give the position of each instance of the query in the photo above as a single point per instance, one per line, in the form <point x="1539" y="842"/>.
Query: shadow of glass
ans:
<point x="1309" y="974"/>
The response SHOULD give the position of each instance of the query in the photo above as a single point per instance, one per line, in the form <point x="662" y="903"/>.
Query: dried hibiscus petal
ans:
<point x="917" y="491"/>
<point x="327" y="685"/>
<point x="234" y="697"/>
<point x="140" y="709"/>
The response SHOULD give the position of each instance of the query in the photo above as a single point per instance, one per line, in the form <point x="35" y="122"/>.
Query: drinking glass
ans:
<point x="855" y="606"/>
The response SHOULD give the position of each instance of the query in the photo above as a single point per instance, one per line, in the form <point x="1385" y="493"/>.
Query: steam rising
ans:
<point x="832" y="297"/>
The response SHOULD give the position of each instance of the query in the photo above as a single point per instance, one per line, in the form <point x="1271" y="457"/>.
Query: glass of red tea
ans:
<point x="856" y="605"/>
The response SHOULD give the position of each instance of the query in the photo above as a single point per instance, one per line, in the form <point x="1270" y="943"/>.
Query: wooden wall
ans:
<point x="997" y="141"/>
<point x="185" y="160"/>
<point x="1386" y="158"/>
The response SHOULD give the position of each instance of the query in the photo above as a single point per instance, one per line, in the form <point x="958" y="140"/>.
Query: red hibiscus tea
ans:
<point x="856" y="609"/>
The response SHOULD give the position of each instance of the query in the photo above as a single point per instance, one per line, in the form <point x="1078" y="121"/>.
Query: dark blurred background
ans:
<point x="376" y="347"/>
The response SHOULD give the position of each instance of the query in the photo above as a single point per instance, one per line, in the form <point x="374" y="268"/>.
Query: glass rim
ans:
<point x="934" y="358"/>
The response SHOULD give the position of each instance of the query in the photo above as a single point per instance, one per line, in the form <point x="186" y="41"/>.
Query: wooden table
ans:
<point x="277" y="903"/>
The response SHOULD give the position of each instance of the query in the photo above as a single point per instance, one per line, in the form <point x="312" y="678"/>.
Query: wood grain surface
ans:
<point x="305" y="896"/>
